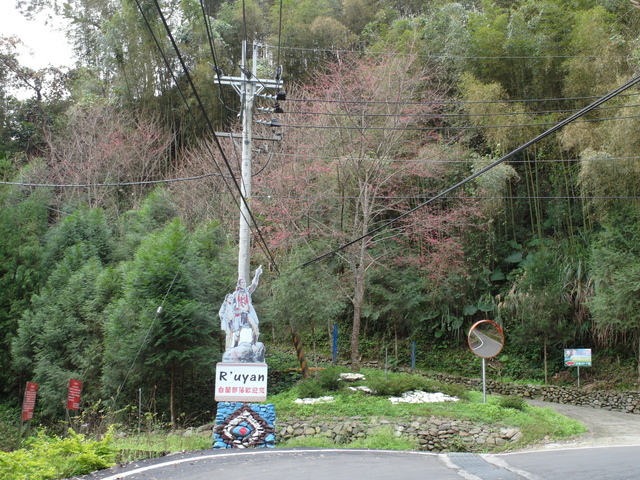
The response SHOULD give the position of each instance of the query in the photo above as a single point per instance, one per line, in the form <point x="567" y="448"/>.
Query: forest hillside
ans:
<point x="417" y="166"/>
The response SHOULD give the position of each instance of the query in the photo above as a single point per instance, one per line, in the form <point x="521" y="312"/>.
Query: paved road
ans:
<point x="605" y="428"/>
<point x="610" y="451"/>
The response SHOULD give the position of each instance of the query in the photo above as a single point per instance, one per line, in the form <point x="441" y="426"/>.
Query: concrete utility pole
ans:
<point x="248" y="87"/>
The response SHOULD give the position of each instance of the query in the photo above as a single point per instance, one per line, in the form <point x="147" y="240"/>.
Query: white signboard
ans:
<point x="577" y="357"/>
<point x="241" y="382"/>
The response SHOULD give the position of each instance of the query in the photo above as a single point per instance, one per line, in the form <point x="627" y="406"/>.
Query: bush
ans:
<point x="309" y="388"/>
<point x="9" y="426"/>
<point x="385" y="438"/>
<point x="516" y="403"/>
<point x="49" y="458"/>
<point x="329" y="379"/>
<point x="395" y="384"/>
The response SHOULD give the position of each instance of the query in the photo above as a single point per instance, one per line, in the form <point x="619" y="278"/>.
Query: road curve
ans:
<point x="609" y="451"/>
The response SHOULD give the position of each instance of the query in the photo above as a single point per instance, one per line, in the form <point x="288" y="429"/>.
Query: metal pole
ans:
<point x="335" y="344"/>
<point x="139" y="410"/>
<point x="484" y="381"/>
<point x="247" y="92"/>
<point x="413" y="356"/>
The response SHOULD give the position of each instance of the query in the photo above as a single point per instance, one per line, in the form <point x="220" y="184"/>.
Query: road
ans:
<point x="609" y="451"/>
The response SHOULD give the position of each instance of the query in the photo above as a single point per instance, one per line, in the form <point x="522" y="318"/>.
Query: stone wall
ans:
<point x="628" y="402"/>
<point x="432" y="434"/>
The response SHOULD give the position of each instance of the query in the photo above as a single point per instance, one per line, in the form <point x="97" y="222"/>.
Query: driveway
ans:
<point x="605" y="428"/>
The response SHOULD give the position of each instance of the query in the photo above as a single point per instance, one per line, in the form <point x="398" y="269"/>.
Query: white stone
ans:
<point x="310" y="401"/>
<point x="422" y="397"/>
<point x="361" y="388"/>
<point x="351" y="377"/>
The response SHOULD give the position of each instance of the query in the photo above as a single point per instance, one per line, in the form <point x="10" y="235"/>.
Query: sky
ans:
<point x="44" y="45"/>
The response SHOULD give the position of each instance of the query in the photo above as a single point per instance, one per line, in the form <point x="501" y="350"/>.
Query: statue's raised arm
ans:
<point x="256" y="279"/>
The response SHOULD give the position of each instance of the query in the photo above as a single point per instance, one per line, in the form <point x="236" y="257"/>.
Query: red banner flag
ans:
<point x="29" y="402"/>
<point x="73" y="398"/>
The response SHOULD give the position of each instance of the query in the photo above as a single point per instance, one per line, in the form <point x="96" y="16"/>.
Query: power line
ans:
<point x="465" y="161"/>
<point x="522" y="147"/>
<point x="438" y="115"/>
<point x="477" y="197"/>
<point x="185" y="70"/>
<point x="449" y="127"/>
<point x="456" y="57"/>
<point x="451" y="102"/>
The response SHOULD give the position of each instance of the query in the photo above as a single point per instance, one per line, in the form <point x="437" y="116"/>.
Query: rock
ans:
<point x="351" y="377"/>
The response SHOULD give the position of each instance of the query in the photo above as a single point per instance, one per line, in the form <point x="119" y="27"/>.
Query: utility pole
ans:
<point x="249" y="86"/>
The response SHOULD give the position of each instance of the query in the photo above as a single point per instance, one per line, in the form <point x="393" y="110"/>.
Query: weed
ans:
<point x="516" y="403"/>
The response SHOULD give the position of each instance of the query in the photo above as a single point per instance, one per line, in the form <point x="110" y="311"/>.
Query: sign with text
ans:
<point x="577" y="357"/>
<point x="241" y="382"/>
<point x="29" y="402"/>
<point x="73" y="397"/>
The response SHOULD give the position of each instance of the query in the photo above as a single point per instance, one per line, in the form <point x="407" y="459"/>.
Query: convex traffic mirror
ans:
<point x="486" y="339"/>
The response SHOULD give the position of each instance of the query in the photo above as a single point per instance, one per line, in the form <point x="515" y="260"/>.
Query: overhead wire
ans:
<point x="475" y="197"/>
<point x="454" y="115"/>
<point x="524" y="146"/>
<point x="449" y="56"/>
<point x="158" y="311"/>
<point x="262" y="242"/>
<point x="207" y="26"/>
<point x="451" y="102"/>
<point x="446" y="127"/>
<point x="297" y="155"/>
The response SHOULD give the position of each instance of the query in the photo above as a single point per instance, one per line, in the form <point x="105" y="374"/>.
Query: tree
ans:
<point x="362" y="149"/>
<point x="615" y="270"/>
<point x="160" y="333"/>
<point x="23" y="222"/>
<point x="60" y="336"/>
<point x="304" y="300"/>
<point x="101" y="147"/>
<point x="538" y="308"/>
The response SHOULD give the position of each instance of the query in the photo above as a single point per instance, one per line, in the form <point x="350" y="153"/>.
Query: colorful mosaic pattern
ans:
<point x="244" y="425"/>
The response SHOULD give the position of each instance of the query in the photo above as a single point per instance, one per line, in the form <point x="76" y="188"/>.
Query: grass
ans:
<point x="535" y="423"/>
<point x="151" y="445"/>
<point x="49" y="457"/>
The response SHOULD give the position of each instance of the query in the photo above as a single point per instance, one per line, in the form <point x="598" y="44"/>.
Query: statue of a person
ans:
<point x="228" y="322"/>
<point x="245" y="314"/>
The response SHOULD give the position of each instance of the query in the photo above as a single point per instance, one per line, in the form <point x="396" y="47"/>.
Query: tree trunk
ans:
<point x="358" y="299"/>
<point x="546" y="368"/>
<point x="172" y="412"/>
<point x="638" y="361"/>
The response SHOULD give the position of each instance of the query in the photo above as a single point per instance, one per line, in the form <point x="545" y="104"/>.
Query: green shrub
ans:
<point x="395" y="384"/>
<point x="9" y="427"/>
<point x="309" y="388"/>
<point x="516" y="403"/>
<point x="385" y="438"/>
<point x="453" y="390"/>
<point x="329" y="379"/>
<point x="49" y="458"/>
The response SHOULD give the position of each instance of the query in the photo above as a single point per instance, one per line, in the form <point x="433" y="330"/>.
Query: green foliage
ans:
<point x="50" y="458"/>
<point x="616" y="273"/>
<point x="23" y="222"/>
<point x="395" y="384"/>
<point x="384" y="438"/>
<point x="155" y="444"/>
<point x="165" y="344"/>
<point x="304" y="298"/>
<point x="516" y="403"/>
<point x="9" y="426"/>
<point x="309" y="388"/>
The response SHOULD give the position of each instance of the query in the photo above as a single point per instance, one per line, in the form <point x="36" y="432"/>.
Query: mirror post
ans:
<point x="484" y="381"/>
